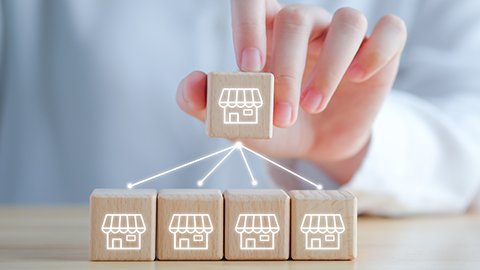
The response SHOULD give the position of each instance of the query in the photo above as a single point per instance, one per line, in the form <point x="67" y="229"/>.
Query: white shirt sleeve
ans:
<point x="424" y="155"/>
<point x="420" y="159"/>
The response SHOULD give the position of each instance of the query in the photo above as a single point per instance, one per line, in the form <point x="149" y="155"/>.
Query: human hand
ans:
<point x="322" y="63"/>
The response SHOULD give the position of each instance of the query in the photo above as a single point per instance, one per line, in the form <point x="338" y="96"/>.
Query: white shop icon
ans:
<point x="257" y="231"/>
<point x="322" y="231"/>
<point x="123" y="231"/>
<point x="240" y="105"/>
<point x="190" y="231"/>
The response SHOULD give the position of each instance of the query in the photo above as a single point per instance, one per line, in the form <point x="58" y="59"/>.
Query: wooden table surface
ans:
<point x="57" y="238"/>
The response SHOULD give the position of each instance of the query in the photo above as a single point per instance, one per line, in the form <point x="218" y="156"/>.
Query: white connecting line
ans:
<point x="237" y="146"/>
<point x="131" y="185"/>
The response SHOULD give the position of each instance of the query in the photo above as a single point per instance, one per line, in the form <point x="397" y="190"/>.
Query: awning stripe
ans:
<point x="123" y="223"/>
<point x="257" y="223"/>
<point x="240" y="97"/>
<point x="191" y="223"/>
<point x="322" y="223"/>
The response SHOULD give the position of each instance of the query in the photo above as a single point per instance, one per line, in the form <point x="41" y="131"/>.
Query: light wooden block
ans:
<point x="122" y="224"/>
<point x="324" y="225"/>
<point x="257" y="224"/>
<point x="240" y="105"/>
<point x="190" y="224"/>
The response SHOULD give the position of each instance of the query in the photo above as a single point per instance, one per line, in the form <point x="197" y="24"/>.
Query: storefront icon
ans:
<point x="190" y="231"/>
<point x="240" y="105"/>
<point x="322" y="231"/>
<point x="257" y="231"/>
<point x="123" y="231"/>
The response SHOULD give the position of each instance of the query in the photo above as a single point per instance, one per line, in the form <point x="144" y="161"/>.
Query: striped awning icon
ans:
<point x="240" y="97"/>
<point x="123" y="223"/>
<point x="190" y="223"/>
<point x="257" y="223"/>
<point x="322" y="223"/>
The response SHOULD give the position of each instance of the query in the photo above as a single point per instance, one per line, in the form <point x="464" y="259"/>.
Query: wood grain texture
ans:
<point x="190" y="224"/>
<point x="122" y="224"/>
<point x="239" y="102"/>
<point x="249" y="224"/>
<point x="323" y="225"/>
<point x="57" y="237"/>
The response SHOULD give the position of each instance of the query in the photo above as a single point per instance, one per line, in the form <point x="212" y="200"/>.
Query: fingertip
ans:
<point x="283" y="114"/>
<point x="191" y="94"/>
<point x="396" y="24"/>
<point x="196" y="77"/>
<point x="313" y="101"/>
<point x="194" y="90"/>
<point x="387" y="40"/>
<point x="352" y="17"/>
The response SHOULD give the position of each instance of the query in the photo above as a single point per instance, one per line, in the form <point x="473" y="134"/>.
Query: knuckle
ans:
<point x="248" y="26"/>
<point x="376" y="59"/>
<point x="352" y="19"/>
<point x="294" y="15"/>
<point x="329" y="83"/>
<point x="288" y="83"/>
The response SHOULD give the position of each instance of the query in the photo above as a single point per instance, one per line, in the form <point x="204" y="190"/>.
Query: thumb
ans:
<point x="191" y="94"/>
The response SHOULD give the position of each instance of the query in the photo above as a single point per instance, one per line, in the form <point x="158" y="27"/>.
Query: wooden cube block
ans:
<point x="190" y="224"/>
<point x="240" y="105"/>
<point x="122" y="224"/>
<point x="324" y="225"/>
<point x="257" y="224"/>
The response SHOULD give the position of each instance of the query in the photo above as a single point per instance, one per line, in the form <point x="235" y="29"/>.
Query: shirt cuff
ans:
<point x="413" y="157"/>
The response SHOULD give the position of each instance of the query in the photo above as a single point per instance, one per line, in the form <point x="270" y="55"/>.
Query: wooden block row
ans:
<point x="188" y="224"/>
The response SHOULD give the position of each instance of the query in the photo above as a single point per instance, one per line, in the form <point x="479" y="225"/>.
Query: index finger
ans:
<point x="249" y="33"/>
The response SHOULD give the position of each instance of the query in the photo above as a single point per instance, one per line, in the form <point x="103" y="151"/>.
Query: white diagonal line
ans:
<point x="232" y="148"/>
<point x="202" y="181"/>
<point x="254" y="182"/>
<point x="318" y="186"/>
<point x="131" y="185"/>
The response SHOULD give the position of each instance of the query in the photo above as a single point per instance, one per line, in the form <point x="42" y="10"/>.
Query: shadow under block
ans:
<point x="257" y="224"/>
<point x="123" y="224"/>
<point x="190" y="224"/>
<point x="323" y="225"/>
<point x="240" y="105"/>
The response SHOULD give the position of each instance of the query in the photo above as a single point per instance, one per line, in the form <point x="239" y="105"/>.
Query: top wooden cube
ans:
<point x="240" y="105"/>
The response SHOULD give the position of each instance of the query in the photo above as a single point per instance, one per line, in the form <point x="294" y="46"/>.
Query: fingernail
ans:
<point x="312" y="101"/>
<point x="356" y="72"/>
<point x="283" y="114"/>
<point x="251" y="60"/>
